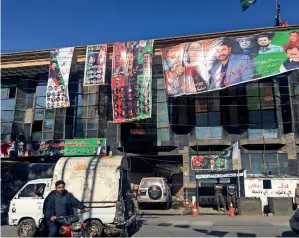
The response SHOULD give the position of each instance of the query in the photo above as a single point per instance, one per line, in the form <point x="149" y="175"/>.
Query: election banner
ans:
<point x="58" y="78"/>
<point x="132" y="80"/>
<point x="84" y="147"/>
<point x="95" y="65"/>
<point x="207" y="65"/>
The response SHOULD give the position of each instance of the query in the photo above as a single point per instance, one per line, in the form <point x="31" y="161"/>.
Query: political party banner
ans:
<point x="84" y="147"/>
<point x="207" y="162"/>
<point x="58" y="78"/>
<point x="95" y="65"/>
<point x="132" y="80"/>
<point x="207" y="65"/>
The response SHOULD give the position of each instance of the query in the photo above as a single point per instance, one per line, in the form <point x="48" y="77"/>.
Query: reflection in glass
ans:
<point x="40" y="102"/>
<point x="8" y="104"/>
<point x="6" y="128"/>
<point x="48" y="125"/>
<point x="39" y="114"/>
<point x="7" y="116"/>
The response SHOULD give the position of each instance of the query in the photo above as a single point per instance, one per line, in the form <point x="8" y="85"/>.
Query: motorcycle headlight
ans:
<point x="76" y="226"/>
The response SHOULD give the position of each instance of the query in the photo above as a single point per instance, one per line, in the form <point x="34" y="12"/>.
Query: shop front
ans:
<point x="207" y="180"/>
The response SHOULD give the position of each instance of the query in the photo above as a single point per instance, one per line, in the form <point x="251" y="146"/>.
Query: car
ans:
<point x="154" y="190"/>
<point x="294" y="222"/>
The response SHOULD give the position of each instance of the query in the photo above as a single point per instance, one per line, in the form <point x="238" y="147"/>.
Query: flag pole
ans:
<point x="277" y="22"/>
<point x="239" y="186"/>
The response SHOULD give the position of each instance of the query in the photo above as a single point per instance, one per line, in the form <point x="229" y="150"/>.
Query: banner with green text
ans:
<point x="58" y="78"/>
<point x="207" y="65"/>
<point x="84" y="147"/>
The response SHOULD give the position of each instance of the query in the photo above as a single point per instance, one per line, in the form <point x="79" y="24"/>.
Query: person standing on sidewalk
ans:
<point x="297" y="195"/>
<point x="219" y="197"/>
<point x="231" y="195"/>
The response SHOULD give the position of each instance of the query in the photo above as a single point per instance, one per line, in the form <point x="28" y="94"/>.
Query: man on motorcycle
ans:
<point x="59" y="203"/>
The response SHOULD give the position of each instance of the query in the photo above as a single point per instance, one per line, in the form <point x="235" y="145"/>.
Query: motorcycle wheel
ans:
<point x="94" y="228"/>
<point x="27" y="228"/>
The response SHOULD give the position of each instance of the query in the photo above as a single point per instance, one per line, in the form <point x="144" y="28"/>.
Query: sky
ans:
<point x="40" y="24"/>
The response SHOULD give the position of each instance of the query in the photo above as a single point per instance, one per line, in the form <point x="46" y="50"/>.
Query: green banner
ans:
<point x="84" y="147"/>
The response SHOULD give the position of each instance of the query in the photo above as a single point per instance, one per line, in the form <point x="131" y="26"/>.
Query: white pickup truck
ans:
<point x="101" y="184"/>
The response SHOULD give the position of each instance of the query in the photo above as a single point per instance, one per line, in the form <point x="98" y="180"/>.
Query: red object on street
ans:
<point x="231" y="210"/>
<point x="285" y="24"/>
<point x="195" y="213"/>
<point x="187" y="204"/>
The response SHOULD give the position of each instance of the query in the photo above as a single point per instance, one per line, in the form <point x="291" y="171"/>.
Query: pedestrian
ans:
<point x="231" y="194"/>
<point x="297" y="195"/>
<point x="219" y="197"/>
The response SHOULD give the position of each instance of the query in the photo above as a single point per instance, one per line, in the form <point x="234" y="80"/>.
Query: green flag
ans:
<point x="246" y="4"/>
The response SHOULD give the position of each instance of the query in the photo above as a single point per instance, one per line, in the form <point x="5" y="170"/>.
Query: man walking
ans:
<point x="59" y="203"/>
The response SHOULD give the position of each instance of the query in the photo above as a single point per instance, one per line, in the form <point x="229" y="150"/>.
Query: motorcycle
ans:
<point x="70" y="226"/>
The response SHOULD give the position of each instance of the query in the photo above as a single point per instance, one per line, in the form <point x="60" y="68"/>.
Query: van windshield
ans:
<point x="146" y="183"/>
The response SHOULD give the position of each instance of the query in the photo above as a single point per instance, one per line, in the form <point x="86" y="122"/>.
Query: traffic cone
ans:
<point x="231" y="210"/>
<point x="187" y="204"/>
<point x="195" y="213"/>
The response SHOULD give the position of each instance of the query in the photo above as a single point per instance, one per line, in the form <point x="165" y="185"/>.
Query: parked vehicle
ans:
<point x="154" y="190"/>
<point x="101" y="184"/>
<point x="294" y="222"/>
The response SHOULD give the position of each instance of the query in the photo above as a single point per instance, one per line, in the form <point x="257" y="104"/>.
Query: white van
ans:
<point x="101" y="184"/>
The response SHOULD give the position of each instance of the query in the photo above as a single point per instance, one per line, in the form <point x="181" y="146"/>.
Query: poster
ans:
<point x="58" y="78"/>
<point x="208" y="162"/>
<point x="208" y="65"/>
<point x="95" y="65"/>
<point x="84" y="147"/>
<point x="132" y="80"/>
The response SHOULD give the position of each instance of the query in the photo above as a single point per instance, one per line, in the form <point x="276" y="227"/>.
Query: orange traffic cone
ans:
<point x="231" y="210"/>
<point x="187" y="204"/>
<point x="195" y="213"/>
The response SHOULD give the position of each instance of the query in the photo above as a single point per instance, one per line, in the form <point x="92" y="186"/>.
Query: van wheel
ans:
<point x="94" y="228"/>
<point x="27" y="228"/>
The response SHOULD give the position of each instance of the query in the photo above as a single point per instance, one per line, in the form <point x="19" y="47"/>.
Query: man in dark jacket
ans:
<point x="59" y="203"/>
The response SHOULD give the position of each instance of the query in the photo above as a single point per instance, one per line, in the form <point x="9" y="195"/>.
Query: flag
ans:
<point x="246" y="4"/>
<point x="229" y="153"/>
<point x="284" y="24"/>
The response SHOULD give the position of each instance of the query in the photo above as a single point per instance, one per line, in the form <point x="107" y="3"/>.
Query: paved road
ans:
<point x="206" y="226"/>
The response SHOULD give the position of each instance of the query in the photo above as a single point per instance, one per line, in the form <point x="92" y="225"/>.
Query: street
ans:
<point x="206" y="226"/>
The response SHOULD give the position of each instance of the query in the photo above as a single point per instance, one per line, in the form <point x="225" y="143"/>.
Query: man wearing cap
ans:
<point x="59" y="203"/>
<point x="297" y="195"/>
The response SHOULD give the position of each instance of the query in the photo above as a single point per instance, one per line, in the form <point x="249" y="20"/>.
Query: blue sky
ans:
<point x="40" y="24"/>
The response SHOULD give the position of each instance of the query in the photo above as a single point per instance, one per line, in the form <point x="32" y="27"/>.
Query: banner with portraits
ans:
<point x="95" y="65"/>
<point x="58" y="78"/>
<point x="132" y="80"/>
<point x="207" y="162"/>
<point x="207" y="65"/>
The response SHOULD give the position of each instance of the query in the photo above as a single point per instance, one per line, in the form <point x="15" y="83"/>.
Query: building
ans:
<point x="262" y="116"/>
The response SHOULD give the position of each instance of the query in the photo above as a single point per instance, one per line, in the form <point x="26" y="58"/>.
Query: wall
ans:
<point x="280" y="187"/>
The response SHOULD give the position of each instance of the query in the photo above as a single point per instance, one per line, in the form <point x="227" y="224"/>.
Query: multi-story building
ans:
<point x="263" y="116"/>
